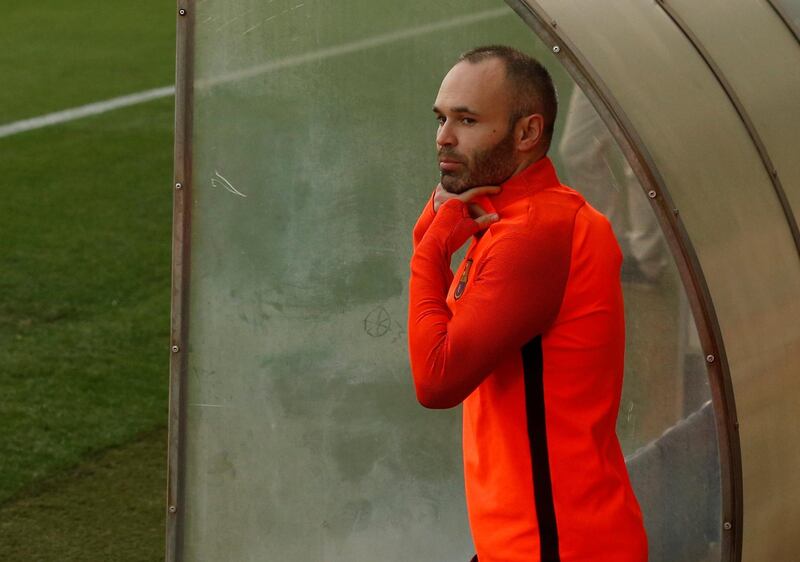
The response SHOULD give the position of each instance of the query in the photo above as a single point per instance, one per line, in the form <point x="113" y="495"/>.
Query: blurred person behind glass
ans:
<point x="595" y="167"/>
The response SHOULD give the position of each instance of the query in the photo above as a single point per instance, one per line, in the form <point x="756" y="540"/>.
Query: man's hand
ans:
<point x="477" y="212"/>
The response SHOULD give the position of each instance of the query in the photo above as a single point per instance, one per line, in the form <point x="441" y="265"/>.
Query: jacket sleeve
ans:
<point x="515" y="296"/>
<point x="424" y="221"/>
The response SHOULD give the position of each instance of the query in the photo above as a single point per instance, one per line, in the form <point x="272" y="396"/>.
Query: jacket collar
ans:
<point x="539" y="175"/>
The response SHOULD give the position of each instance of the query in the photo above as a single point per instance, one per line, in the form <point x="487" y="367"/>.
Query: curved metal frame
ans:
<point x="181" y="224"/>
<point x="684" y="254"/>
<point x="772" y="171"/>
<point x="784" y="18"/>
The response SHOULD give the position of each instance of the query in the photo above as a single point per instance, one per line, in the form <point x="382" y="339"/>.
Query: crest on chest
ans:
<point x="462" y="283"/>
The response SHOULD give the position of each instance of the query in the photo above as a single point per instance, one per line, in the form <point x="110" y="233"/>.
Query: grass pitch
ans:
<point x="84" y="279"/>
<point x="104" y="509"/>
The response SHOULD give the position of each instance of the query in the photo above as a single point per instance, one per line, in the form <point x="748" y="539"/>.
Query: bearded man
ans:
<point x="529" y="333"/>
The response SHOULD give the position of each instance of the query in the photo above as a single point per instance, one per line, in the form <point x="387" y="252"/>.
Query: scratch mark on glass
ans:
<point x="220" y="180"/>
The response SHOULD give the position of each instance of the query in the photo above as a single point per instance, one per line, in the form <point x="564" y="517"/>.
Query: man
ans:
<point x="529" y="333"/>
<point x="598" y="170"/>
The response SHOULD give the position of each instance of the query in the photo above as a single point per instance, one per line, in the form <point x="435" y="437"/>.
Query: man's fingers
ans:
<point x="440" y="196"/>
<point x="487" y="220"/>
<point x="477" y="191"/>
<point x="475" y="210"/>
<point x="486" y="190"/>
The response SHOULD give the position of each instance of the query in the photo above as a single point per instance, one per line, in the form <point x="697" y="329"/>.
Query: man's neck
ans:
<point x="527" y="162"/>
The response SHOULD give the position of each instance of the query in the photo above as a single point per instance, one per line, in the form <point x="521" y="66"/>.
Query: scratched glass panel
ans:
<point x="313" y="156"/>
<point x="666" y="421"/>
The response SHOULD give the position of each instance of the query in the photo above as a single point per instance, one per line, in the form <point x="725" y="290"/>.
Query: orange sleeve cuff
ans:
<point x="424" y="221"/>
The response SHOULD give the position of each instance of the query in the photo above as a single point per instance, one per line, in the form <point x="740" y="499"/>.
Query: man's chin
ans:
<point x="452" y="184"/>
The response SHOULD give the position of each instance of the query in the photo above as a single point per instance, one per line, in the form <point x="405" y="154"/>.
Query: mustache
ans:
<point x="450" y="155"/>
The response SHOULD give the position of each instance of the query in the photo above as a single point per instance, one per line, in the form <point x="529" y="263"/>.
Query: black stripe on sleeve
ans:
<point x="532" y="364"/>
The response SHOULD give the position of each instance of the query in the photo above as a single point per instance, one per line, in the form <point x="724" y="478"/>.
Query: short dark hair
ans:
<point x="533" y="90"/>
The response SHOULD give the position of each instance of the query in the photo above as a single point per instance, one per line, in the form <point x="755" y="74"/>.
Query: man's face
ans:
<point x="476" y="146"/>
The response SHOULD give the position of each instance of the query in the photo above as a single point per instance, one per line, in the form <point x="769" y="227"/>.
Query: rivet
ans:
<point x="175" y="349"/>
<point x="727" y="526"/>
<point x="652" y="194"/>
<point x="553" y="23"/>
<point x="675" y="212"/>
<point x="178" y="185"/>
<point x="556" y="49"/>
<point x="172" y="509"/>
<point x="710" y="358"/>
<point x="736" y="425"/>
<point x="182" y="12"/>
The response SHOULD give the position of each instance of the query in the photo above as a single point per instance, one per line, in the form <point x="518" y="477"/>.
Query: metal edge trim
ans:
<point x="685" y="257"/>
<point x="785" y="19"/>
<point x="772" y="172"/>
<point x="181" y="225"/>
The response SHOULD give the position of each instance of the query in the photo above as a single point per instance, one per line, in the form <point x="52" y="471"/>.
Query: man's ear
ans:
<point x="529" y="132"/>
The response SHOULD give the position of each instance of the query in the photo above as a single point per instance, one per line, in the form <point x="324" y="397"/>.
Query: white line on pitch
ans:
<point x="84" y="111"/>
<point x="297" y="60"/>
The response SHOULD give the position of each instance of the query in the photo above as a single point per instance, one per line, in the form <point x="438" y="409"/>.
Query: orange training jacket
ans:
<point x="529" y="334"/>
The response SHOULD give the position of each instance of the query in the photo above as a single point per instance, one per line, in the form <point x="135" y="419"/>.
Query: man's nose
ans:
<point x="445" y="136"/>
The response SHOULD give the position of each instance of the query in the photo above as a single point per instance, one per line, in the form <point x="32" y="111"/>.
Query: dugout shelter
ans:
<point x="303" y="155"/>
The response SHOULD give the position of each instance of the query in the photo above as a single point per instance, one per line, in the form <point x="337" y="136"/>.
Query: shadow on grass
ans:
<point x="111" y="507"/>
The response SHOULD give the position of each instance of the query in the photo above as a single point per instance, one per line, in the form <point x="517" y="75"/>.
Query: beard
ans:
<point x="492" y="166"/>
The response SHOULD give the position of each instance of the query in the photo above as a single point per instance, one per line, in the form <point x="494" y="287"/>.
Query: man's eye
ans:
<point x="468" y="121"/>
<point x="440" y="120"/>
